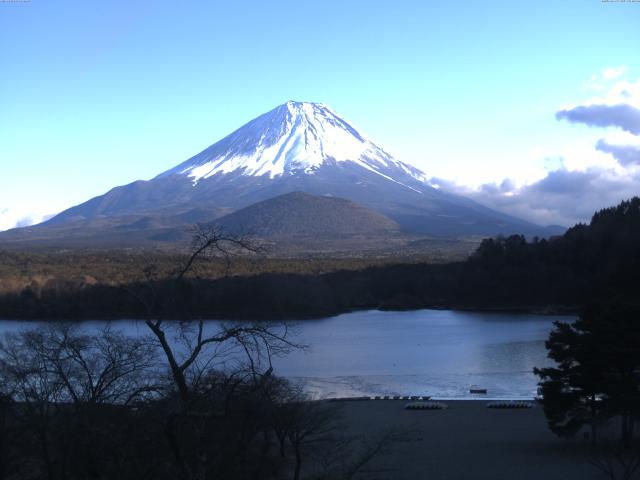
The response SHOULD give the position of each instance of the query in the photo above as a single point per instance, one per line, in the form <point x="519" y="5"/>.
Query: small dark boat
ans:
<point x="477" y="390"/>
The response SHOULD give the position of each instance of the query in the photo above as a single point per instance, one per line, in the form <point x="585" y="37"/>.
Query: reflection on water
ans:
<point x="424" y="352"/>
<point x="512" y="357"/>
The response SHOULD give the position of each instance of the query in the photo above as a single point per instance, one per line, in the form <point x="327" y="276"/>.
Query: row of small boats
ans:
<point x="500" y="404"/>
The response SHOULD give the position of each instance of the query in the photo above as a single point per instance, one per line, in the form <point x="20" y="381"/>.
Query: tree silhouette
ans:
<point x="597" y="376"/>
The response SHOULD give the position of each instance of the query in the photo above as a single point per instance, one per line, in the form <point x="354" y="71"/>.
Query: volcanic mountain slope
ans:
<point x="299" y="214"/>
<point x="296" y="147"/>
<point x="128" y="231"/>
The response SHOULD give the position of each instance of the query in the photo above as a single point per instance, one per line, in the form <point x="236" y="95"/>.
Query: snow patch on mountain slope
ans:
<point x="297" y="137"/>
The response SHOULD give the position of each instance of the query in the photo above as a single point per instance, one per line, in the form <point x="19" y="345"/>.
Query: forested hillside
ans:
<point x="588" y="264"/>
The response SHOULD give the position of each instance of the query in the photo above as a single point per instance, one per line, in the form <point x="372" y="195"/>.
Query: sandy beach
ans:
<point x="468" y="441"/>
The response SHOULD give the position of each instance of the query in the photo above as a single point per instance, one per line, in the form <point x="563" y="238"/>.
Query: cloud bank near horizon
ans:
<point x="584" y="177"/>
<point x="10" y="218"/>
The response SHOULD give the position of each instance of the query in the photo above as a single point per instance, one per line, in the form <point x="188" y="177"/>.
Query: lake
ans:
<point x="423" y="352"/>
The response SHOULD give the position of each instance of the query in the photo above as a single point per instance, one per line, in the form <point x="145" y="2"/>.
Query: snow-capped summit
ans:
<point x="296" y="137"/>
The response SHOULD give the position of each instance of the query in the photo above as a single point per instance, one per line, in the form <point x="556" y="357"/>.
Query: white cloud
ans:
<point x="14" y="218"/>
<point x="602" y="81"/>
<point x="614" y="72"/>
<point x="619" y="107"/>
<point x="575" y="155"/>
<point x="563" y="197"/>
<point x="621" y="146"/>
<point x="622" y="92"/>
<point x="582" y="176"/>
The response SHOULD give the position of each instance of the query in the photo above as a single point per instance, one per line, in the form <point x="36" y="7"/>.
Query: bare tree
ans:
<point x="10" y="462"/>
<point x="322" y="447"/>
<point x="349" y="456"/>
<point x="310" y="423"/>
<point x="193" y="346"/>
<point x="212" y="240"/>
<point x="192" y="350"/>
<point x="78" y="367"/>
<point x="62" y="378"/>
<point x="615" y="459"/>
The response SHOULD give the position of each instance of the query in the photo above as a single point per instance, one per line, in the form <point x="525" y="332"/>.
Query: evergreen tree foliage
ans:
<point x="597" y="372"/>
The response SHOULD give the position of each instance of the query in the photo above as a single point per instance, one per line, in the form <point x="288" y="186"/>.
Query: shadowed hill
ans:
<point x="301" y="214"/>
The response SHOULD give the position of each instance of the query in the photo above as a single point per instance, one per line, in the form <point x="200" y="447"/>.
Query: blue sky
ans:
<point x="98" y="94"/>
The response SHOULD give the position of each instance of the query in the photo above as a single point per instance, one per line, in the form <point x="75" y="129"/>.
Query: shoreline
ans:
<point x="418" y="398"/>
<point x="559" y="310"/>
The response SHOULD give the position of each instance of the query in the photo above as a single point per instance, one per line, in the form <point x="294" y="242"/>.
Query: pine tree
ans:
<point x="597" y="376"/>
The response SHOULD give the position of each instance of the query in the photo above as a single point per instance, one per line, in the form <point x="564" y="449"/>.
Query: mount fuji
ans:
<point x="296" y="147"/>
<point x="294" y="138"/>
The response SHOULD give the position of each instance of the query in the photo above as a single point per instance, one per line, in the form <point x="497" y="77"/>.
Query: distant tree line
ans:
<point x="588" y="264"/>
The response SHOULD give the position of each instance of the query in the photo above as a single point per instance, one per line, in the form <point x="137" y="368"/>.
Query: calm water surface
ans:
<point x="424" y="352"/>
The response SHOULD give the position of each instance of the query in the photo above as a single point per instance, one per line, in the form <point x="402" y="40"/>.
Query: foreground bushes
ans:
<point x="205" y="405"/>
